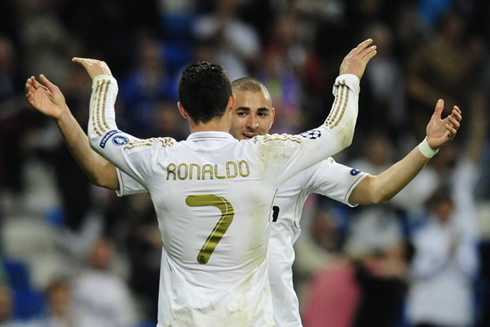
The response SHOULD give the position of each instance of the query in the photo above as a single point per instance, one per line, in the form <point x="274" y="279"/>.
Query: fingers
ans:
<point x="439" y="108"/>
<point x="83" y="61"/>
<point x="369" y="53"/>
<point x="93" y="67"/>
<point x="32" y="85"/>
<point x="46" y="82"/>
<point x="364" y="44"/>
<point x="366" y="49"/>
<point x="457" y="113"/>
<point x="452" y="130"/>
<point x="30" y="89"/>
<point x="454" y="122"/>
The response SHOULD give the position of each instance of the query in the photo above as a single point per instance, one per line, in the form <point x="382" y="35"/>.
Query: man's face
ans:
<point x="253" y="114"/>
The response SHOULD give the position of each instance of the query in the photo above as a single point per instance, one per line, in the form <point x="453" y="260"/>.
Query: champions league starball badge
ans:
<point x="311" y="134"/>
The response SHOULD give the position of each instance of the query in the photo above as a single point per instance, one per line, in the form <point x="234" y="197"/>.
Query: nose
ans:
<point x="253" y="122"/>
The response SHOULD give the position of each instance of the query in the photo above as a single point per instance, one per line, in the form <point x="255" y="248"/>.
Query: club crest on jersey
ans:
<point x="311" y="134"/>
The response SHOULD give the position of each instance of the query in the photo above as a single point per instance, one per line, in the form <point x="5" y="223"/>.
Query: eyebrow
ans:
<point x="262" y="109"/>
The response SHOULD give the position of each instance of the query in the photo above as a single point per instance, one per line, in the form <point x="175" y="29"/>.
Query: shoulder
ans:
<point x="163" y="142"/>
<point x="279" y="138"/>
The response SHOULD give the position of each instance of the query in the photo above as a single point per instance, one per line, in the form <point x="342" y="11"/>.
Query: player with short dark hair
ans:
<point x="204" y="85"/>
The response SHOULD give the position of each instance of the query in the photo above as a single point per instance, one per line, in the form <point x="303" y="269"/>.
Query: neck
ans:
<point x="216" y="125"/>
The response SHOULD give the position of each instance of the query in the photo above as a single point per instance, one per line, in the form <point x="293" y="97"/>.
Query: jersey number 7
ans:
<point x="227" y="213"/>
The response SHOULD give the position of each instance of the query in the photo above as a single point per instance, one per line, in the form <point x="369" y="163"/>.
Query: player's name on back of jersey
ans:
<point x="194" y="171"/>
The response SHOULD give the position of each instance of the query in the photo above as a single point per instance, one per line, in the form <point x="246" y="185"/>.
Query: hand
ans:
<point x="46" y="97"/>
<point x="355" y="62"/>
<point x="93" y="67"/>
<point x="441" y="131"/>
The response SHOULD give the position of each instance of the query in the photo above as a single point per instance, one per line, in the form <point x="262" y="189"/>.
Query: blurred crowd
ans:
<point x="421" y="260"/>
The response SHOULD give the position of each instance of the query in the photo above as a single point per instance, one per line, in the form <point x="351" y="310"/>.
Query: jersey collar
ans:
<point x="215" y="135"/>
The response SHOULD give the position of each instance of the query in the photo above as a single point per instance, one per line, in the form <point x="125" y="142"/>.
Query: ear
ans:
<point x="182" y="111"/>
<point x="273" y="115"/>
<point x="231" y="102"/>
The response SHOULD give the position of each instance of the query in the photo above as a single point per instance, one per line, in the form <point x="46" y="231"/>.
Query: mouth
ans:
<point x="248" y="136"/>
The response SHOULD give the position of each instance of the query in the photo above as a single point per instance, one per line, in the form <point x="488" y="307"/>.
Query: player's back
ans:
<point x="213" y="197"/>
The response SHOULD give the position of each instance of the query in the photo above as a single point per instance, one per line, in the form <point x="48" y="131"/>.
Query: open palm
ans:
<point x="441" y="131"/>
<point x="46" y="97"/>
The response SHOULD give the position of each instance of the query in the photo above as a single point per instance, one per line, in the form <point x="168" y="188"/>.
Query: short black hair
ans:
<point x="204" y="91"/>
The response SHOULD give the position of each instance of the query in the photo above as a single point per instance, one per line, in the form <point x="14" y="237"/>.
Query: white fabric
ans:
<point x="231" y="288"/>
<point x="101" y="299"/>
<point x="327" y="178"/>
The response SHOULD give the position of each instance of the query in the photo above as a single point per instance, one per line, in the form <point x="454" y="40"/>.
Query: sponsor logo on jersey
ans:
<point x="107" y="137"/>
<point x="354" y="172"/>
<point x="120" y="140"/>
<point x="194" y="171"/>
<point x="312" y="134"/>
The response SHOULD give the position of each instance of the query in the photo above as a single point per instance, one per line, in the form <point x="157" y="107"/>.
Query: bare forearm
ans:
<point x="99" y="171"/>
<point x="383" y="187"/>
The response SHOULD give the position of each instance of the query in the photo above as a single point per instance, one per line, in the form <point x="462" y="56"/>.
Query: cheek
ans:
<point x="238" y="124"/>
<point x="265" y="126"/>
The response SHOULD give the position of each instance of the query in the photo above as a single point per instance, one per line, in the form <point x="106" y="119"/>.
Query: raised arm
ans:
<point x="336" y="132"/>
<point x="47" y="98"/>
<point x="102" y="128"/>
<point x="353" y="64"/>
<point x="381" y="188"/>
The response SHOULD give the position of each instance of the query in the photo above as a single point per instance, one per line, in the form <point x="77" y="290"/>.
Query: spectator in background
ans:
<point x="144" y="87"/>
<point x="373" y="228"/>
<point x="432" y="72"/>
<point x="58" y="306"/>
<point x="376" y="245"/>
<point x="100" y="297"/>
<point x="281" y="70"/>
<point x="6" y="309"/>
<point x="324" y="275"/>
<point x="15" y="122"/>
<point x="237" y="43"/>
<point x="444" y="268"/>
<point x="385" y="88"/>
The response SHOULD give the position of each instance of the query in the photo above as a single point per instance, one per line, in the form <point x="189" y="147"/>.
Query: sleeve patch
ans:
<point x="120" y="140"/>
<point x="106" y="138"/>
<point x="311" y="134"/>
<point x="354" y="172"/>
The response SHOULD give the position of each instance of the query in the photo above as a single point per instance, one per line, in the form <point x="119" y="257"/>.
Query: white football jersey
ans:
<point x="327" y="178"/>
<point x="213" y="197"/>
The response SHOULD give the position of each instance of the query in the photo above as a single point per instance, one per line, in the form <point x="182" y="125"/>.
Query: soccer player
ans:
<point x="254" y="115"/>
<point x="215" y="238"/>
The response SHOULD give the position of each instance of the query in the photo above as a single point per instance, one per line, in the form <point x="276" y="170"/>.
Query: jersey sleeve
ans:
<point x="128" y="185"/>
<point x="334" y="180"/>
<point x="308" y="148"/>
<point x="114" y="145"/>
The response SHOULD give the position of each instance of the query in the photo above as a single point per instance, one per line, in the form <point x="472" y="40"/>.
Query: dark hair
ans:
<point x="441" y="195"/>
<point x="204" y="91"/>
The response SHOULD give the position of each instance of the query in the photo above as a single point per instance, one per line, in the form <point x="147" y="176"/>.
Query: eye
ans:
<point x="241" y="114"/>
